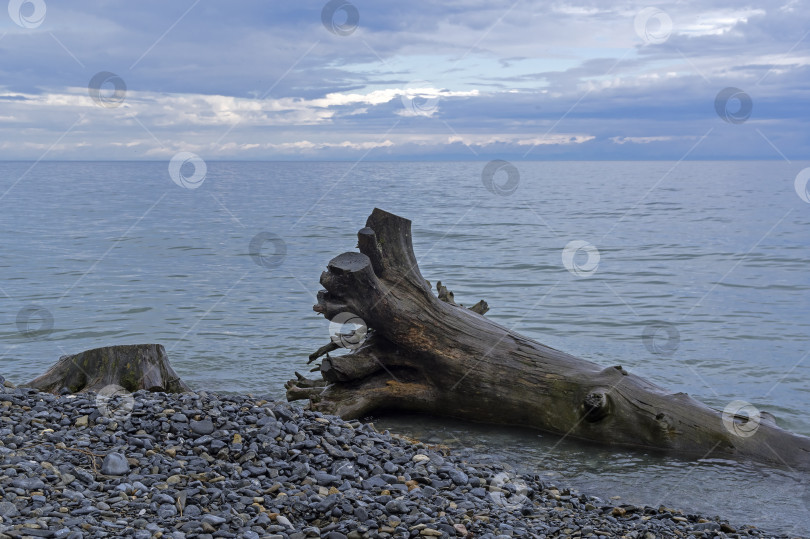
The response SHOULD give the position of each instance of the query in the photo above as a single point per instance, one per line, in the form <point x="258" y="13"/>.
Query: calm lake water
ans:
<point x="117" y="253"/>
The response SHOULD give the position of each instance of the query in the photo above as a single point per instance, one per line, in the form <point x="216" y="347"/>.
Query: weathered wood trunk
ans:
<point x="431" y="356"/>
<point x="131" y="366"/>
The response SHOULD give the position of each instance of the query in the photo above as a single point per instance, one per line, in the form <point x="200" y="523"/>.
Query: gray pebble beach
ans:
<point x="149" y="465"/>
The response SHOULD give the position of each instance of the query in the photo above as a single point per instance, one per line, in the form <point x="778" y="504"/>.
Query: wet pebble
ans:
<point x="208" y="465"/>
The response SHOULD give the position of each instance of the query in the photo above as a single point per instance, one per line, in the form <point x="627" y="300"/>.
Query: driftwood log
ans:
<point x="131" y="367"/>
<point x="430" y="356"/>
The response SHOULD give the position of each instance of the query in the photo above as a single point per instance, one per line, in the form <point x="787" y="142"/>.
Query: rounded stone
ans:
<point x="205" y="426"/>
<point x="8" y="509"/>
<point x="166" y="510"/>
<point x="115" y="464"/>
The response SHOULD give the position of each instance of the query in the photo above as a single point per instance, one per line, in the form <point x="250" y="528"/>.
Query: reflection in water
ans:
<point x="777" y="501"/>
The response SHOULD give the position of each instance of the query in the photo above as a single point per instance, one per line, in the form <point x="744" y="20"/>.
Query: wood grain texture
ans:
<point x="431" y="356"/>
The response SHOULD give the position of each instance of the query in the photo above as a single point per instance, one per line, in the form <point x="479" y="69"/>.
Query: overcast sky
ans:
<point x="463" y="79"/>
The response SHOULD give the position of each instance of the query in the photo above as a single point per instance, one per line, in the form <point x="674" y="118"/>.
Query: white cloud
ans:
<point x="199" y="109"/>
<point x="488" y="140"/>
<point x="647" y="140"/>
<point x="717" y="23"/>
<point x="306" y="145"/>
<point x="790" y="6"/>
<point x="565" y="9"/>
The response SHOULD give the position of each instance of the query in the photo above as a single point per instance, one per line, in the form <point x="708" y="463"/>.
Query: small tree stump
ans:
<point x="131" y="366"/>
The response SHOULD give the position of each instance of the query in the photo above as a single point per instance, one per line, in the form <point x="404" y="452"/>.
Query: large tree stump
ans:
<point x="431" y="356"/>
<point x="131" y="366"/>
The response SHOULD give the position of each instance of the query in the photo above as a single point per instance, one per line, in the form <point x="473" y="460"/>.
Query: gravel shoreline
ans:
<point x="149" y="465"/>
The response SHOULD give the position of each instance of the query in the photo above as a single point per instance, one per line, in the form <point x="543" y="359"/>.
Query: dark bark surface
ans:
<point x="432" y="356"/>
<point x="132" y="366"/>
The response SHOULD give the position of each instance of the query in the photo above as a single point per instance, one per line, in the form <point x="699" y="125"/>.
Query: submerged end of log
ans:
<point x="132" y="367"/>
